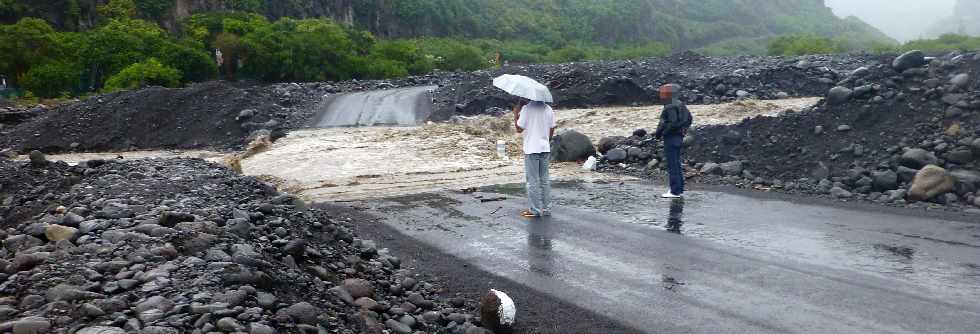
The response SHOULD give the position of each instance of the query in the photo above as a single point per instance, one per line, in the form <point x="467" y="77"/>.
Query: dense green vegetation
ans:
<point x="946" y="42"/>
<point x="125" y="52"/>
<point x="124" y="43"/>
<point x="803" y="44"/>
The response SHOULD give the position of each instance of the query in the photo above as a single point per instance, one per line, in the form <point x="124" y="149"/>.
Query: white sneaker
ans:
<point x="669" y="195"/>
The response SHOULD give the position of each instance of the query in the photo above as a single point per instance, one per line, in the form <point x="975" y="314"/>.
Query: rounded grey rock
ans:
<point x="909" y="60"/>
<point x="616" y="155"/>
<point x="839" y="95"/>
<point x="101" y="330"/>
<point x="398" y="327"/>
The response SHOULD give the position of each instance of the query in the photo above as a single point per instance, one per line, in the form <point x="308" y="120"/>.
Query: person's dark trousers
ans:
<point x="675" y="172"/>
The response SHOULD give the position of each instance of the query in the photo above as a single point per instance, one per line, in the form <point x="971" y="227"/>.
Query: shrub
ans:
<point x="23" y="45"/>
<point x="118" y="9"/>
<point x="454" y="55"/>
<point x="147" y="73"/>
<point x="382" y="69"/>
<point x="302" y="50"/>
<point x="402" y="53"/>
<point x="802" y="44"/>
<point x="568" y="54"/>
<point x="52" y="79"/>
<point x="947" y="42"/>
<point x="191" y="60"/>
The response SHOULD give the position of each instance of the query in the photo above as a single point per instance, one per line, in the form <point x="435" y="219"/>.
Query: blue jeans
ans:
<point x="675" y="172"/>
<point x="538" y="184"/>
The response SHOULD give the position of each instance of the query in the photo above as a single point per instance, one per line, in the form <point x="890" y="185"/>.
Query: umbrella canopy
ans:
<point x="522" y="86"/>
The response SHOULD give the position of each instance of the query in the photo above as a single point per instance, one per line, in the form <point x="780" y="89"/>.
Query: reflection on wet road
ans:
<point x="713" y="262"/>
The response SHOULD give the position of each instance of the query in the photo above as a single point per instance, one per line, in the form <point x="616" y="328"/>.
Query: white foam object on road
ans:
<point x="507" y="311"/>
<point x="589" y="165"/>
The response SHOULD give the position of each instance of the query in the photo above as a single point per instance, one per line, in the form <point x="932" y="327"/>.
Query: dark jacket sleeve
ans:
<point x="668" y="121"/>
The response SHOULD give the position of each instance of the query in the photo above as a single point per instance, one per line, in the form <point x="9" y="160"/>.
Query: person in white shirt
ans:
<point x="536" y="120"/>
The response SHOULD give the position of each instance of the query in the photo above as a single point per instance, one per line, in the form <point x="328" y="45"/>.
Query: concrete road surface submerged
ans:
<point x="403" y="106"/>
<point x="714" y="262"/>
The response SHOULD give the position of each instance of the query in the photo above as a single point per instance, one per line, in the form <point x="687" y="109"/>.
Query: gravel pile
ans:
<point x="185" y="246"/>
<point x="902" y="131"/>
<point x="707" y="80"/>
<point x="221" y="115"/>
<point x="215" y="115"/>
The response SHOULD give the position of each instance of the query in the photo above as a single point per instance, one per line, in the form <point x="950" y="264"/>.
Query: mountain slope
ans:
<point x="965" y="20"/>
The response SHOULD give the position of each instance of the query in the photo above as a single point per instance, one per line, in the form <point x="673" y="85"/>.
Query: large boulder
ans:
<point x="917" y="158"/>
<point x="911" y="59"/>
<point x="712" y="168"/>
<point x="608" y="143"/>
<point x="616" y="155"/>
<point x="930" y="182"/>
<point x="839" y="95"/>
<point x="967" y="181"/>
<point x="960" y="155"/>
<point x="60" y="232"/>
<point x="885" y="180"/>
<point x="733" y="168"/>
<point x="571" y="145"/>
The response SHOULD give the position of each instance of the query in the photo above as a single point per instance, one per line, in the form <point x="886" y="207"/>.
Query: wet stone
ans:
<point x="101" y="330"/>
<point x="265" y="300"/>
<point x="229" y="325"/>
<point x="407" y="320"/>
<point x="358" y="287"/>
<point x="398" y="327"/>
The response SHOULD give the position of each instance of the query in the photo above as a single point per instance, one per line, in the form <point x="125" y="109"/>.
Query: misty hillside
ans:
<point x="723" y="26"/>
<point x="965" y="20"/>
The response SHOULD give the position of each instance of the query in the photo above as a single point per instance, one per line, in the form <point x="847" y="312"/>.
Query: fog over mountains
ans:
<point x="900" y="19"/>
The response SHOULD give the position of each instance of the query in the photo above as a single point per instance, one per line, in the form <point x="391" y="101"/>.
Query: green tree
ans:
<point x="189" y="58"/>
<point x="154" y="8"/>
<point x="148" y="73"/>
<point x="403" y="53"/>
<point x="118" y="9"/>
<point x="121" y="42"/>
<point x="302" y="50"/>
<point x="51" y="79"/>
<point x="24" y="44"/>
<point x="455" y="55"/>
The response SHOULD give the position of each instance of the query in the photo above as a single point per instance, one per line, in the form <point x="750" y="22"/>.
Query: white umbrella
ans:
<point x="522" y="86"/>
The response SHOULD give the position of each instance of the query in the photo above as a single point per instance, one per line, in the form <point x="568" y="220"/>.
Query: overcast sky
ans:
<point x="900" y="19"/>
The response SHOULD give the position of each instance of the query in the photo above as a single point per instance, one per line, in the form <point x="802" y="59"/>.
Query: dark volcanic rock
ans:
<point x="571" y="145"/>
<point x="150" y="255"/>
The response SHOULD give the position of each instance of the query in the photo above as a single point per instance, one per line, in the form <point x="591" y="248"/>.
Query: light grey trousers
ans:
<point x="538" y="183"/>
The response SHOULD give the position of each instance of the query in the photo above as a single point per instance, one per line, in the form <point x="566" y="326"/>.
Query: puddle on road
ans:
<point x="827" y="237"/>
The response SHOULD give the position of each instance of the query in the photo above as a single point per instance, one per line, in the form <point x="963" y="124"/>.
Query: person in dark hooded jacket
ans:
<point x="674" y="122"/>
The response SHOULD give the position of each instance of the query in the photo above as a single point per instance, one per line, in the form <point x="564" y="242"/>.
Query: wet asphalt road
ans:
<point x="712" y="263"/>
<point x="403" y="106"/>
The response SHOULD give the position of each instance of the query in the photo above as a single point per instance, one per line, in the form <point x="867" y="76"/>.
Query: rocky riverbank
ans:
<point x="222" y="115"/>
<point x="902" y="132"/>
<point x="186" y="246"/>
